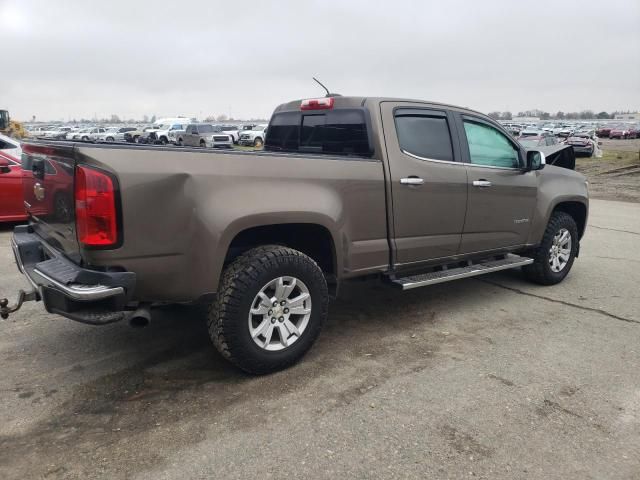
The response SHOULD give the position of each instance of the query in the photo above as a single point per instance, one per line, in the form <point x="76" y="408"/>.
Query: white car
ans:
<point x="113" y="134"/>
<point x="10" y="146"/>
<point x="232" y="130"/>
<point x="162" y="127"/>
<point x="93" y="133"/>
<point x="78" y="133"/>
<point x="168" y="133"/>
<point x="253" y="137"/>
<point x="60" y="132"/>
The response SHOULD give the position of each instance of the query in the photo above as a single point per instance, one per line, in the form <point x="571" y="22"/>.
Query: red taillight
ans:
<point x="325" y="103"/>
<point x="95" y="208"/>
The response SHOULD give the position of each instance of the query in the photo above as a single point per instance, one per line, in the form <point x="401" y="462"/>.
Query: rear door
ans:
<point x="502" y="195"/>
<point x="428" y="182"/>
<point x="190" y="135"/>
<point x="47" y="180"/>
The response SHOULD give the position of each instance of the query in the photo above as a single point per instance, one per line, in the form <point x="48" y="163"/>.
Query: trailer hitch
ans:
<point x="5" y="309"/>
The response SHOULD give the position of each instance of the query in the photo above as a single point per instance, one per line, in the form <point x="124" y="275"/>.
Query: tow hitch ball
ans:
<point x="5" y="309"/>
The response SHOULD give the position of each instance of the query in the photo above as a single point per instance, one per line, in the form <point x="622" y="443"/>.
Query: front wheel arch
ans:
<point x="577" y="211"/>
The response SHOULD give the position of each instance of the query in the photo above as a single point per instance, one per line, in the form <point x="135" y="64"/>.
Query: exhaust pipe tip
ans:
<point x="141" y="317"/>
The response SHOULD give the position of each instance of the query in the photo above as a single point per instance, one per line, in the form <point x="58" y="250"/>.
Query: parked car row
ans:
<point x="583" y="141"/>
<point x="173" y="130"/>
<point x="608" y="130"/>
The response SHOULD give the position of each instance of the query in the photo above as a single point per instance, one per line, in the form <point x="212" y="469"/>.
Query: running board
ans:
<point x="480" y="268"/>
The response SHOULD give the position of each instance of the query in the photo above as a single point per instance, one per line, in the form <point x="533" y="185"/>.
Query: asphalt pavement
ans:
<point x="482" y="378"/>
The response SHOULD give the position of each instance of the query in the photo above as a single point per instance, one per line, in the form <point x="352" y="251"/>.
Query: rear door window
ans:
<point x="424" y="135"/>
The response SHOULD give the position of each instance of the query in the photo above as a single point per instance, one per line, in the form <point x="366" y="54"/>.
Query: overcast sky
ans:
<point x="77" y="58"/>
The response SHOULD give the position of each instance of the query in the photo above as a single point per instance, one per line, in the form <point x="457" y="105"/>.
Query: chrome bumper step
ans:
<point x="479" y="268"/>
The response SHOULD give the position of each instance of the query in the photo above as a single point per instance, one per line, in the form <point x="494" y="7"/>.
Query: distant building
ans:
<point x="627" y="116"/>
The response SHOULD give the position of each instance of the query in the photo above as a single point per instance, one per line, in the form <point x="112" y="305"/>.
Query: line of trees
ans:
<point x="542" y="115"/>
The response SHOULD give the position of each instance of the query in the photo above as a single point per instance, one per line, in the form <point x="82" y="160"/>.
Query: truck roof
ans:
<point x="356" y="101"/>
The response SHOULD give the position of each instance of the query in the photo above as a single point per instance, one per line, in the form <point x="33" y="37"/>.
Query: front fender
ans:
<point x="556" y="185"/>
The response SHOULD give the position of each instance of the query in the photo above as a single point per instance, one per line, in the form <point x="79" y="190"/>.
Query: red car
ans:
<point x="11" y="192"/>
<point x="620" y="131"/>
<point x="603" y="131"/>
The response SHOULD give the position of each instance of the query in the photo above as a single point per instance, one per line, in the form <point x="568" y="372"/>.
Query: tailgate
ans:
<point x="48" y="182"/>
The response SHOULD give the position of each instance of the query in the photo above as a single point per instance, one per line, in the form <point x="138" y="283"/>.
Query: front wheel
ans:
<point x="257" y="142"/>
<point x="554" y="257"/>
<point x="271" y="305"/>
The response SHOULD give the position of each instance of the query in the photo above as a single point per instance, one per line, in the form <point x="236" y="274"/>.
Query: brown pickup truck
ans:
<point x="411" y="192"/>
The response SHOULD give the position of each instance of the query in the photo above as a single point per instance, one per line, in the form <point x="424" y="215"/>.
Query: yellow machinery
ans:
<point x="11" y="127"/>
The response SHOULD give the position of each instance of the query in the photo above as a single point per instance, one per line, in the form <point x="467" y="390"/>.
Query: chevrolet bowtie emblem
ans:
<point x="38" y="191"/>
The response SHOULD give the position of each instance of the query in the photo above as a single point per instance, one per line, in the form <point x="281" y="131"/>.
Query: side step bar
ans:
<point x="480" y="268"/>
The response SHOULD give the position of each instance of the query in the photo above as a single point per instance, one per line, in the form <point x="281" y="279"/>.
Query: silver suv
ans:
<point x="205" y="135"/>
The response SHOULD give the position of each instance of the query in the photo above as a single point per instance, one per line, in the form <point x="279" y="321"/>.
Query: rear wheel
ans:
<point x="203" y="144"/>
<point x="554" y="257"/>
<point x="110" y="139"/>
<point x="271" y="305"/>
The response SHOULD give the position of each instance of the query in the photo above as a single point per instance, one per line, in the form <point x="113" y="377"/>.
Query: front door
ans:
<point x="428" y="183"/>
<point x="502" y="194"/>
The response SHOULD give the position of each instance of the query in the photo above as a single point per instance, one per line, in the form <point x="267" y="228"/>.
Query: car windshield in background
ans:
<point x="530" y="142"/>
<point x="339" y="132"/>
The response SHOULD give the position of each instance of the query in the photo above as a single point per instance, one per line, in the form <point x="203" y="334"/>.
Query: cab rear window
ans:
<point x="336" y="132"/>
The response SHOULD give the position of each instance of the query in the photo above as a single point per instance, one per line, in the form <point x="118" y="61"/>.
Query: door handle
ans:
<point x="412" y="181"/>
<point x="481" y="183"/>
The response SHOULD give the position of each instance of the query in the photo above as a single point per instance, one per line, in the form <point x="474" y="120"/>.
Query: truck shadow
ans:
<point x="173" y="376"/>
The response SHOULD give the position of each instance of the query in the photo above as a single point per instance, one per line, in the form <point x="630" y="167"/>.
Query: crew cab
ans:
<point x="410" y="192"/>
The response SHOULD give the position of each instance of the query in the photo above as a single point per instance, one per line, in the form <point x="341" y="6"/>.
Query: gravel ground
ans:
<point x="615" y="176"/>
<point x="483" y="378"/>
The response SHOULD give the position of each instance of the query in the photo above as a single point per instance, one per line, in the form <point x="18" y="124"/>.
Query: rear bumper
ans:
<point x="581" y="149"/>
<point x="84" y="295"/>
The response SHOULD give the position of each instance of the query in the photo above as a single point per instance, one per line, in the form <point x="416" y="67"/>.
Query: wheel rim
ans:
<point x="62" y="209"/>
<point x="280" y="313"/>
<point x="560" y="251"/>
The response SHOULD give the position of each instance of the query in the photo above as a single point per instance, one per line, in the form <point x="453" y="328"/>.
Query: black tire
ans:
<point x="85" y="139"/>
<point x="240" y="283"/>
<point x="257" y="142"/>
<point x="163" y="140"/>
<point x="540" y="270"/>
<point x="203" y="144"/>
<point x="110" y="139"/>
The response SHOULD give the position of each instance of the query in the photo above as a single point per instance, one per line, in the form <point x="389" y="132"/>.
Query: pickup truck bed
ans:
<point x="412" y="192"/>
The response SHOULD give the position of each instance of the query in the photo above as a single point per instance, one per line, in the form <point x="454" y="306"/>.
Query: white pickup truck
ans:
<point x="253" y="137"/>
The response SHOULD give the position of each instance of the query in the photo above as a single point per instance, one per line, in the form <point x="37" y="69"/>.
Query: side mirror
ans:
<point x="535" y="160"/>
<point x="4" y="166"/>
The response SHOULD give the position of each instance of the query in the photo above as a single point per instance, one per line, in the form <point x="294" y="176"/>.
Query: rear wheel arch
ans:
<point x="313" y="239"/>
